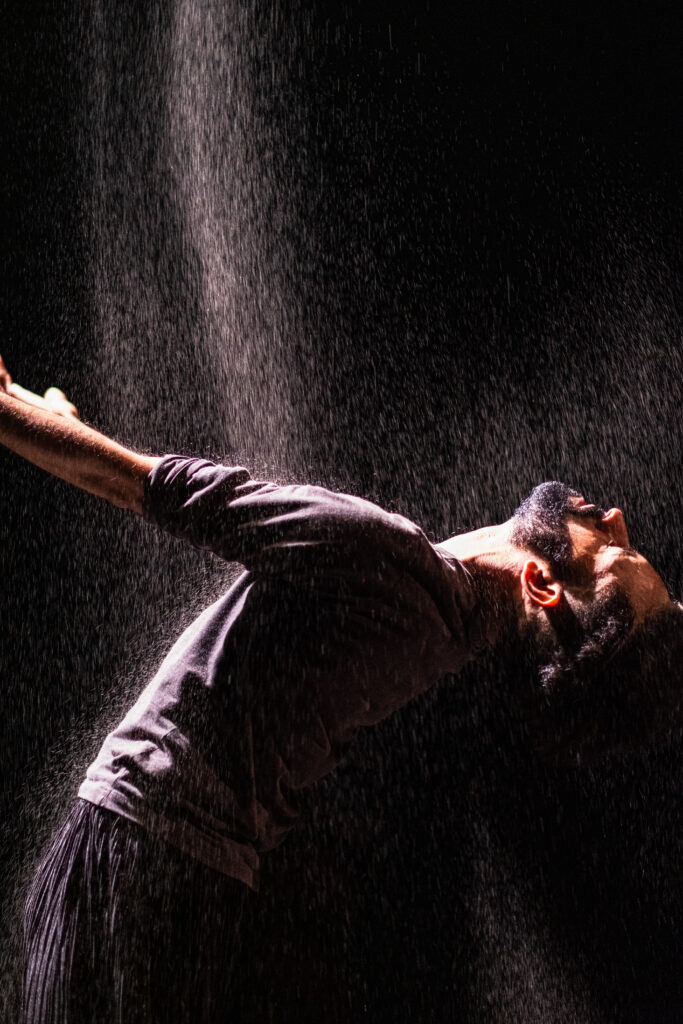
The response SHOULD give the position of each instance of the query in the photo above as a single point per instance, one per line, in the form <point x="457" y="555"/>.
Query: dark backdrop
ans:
<point x="427" y="253"/>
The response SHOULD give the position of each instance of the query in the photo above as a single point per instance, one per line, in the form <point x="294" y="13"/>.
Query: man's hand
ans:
<point x="53" y="400"/>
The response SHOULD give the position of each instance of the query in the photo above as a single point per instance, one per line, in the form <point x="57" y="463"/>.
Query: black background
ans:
<point x="456" y="253"/>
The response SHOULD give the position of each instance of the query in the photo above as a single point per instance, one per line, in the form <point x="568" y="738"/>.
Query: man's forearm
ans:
<point x="78" y="454"/>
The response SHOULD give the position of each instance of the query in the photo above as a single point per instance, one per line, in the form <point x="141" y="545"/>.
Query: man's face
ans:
<point x="601" y="548"/>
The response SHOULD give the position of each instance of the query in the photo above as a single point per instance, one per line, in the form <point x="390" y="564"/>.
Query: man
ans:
<point x="344" y="613"/>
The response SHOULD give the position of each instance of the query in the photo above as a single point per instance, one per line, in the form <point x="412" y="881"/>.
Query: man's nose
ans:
<point x="614" y="519"/>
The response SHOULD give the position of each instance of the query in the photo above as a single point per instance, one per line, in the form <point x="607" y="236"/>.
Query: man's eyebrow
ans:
<point x="587" y="511"/>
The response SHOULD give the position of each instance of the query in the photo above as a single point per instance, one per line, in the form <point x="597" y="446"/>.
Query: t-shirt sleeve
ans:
<point x="221" y="509"/>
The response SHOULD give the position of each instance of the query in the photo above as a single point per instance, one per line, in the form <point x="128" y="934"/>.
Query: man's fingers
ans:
<point x="5" y="379"/>
<point x="60" y="404"/>
<point x="53" y="400"/>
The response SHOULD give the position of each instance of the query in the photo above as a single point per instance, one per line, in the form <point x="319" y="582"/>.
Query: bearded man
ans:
<point x="343" y="614"/>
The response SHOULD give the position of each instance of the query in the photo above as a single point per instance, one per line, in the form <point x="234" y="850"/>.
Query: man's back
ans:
<point x="345" y="614"/>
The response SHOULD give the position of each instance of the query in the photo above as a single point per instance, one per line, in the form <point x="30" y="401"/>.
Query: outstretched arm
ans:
<point x="65" y="447"/>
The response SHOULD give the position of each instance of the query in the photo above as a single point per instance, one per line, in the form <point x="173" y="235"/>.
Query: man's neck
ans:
<point x="490" y="546"/>
<point x="496" y="565"/>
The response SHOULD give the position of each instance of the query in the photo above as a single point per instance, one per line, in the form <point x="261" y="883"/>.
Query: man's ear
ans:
<point x="539" y="585"/>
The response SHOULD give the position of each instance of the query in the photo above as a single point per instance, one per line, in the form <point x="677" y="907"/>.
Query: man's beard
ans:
<point x="568" y="645"/>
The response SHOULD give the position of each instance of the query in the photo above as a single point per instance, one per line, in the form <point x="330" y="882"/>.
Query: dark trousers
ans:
<point x="123" y="929"/>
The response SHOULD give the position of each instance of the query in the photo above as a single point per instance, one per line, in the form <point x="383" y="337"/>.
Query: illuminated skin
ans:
<point x="602" y="545"/>
<point x="601" y="548"/>
<point x="48" y="433"/>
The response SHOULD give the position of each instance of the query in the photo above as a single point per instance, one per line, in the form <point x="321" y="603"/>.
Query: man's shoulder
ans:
<point x="352" y="509"/>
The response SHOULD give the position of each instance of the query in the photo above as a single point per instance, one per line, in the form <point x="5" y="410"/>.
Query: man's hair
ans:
<point x="619" y="701"/>
<point x="539" y="524"/>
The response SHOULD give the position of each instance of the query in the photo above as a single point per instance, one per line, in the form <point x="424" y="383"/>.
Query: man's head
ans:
<point x="589" y="602"/>
<point x="581" y="566"/>
<point x="585" y="546"/>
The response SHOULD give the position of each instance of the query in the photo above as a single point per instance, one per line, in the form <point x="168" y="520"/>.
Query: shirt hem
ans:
<point x="228" y="861"/>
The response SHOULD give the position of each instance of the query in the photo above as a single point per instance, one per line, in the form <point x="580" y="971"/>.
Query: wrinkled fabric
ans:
<point x="124" y="929"/>
<point x="344" y="614"/>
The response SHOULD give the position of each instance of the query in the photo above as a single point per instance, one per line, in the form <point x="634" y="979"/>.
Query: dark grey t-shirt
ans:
<point x="344" y="614"/>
